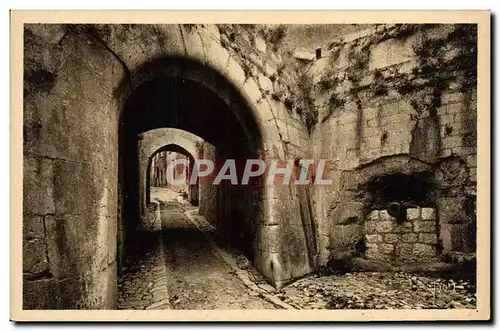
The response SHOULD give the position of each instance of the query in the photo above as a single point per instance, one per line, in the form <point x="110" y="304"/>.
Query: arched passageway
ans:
<point x="158" y="176"/>
<point x="163" y="139"/>
<point x="184" y="104"/>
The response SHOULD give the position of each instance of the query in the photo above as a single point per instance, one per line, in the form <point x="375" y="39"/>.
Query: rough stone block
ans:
<point x="389" y="53"/>
<point x="75" y="178"/>
<point x="268" y="238"/>
<point x="217" y="56"/>
<point x="251" y="89"/>
<point x="370" y="227"/>
<point x="373" y="215"/>
<point x="48" y="33"/>
<point x="293" y="134"/>
<point x="404" y="227"/>
<point x="425" y="226"/>
<point x="427" y="238"/>
<point x="409" y="237"/>
<point x="386" y="249"/>
<point x="33" y="227"/>
<point x="34" y="256"/>
<point x="448" y="98"/>
<point x="384" y="226"/>
<point x="428" y="214"/>
<point x="345" y="236"/>
<point x="372" y="251"/>
<point x="451" y="210"/>
<point x="260" y="44"/>
<point x="457" y="237"/>
<point x="473" y="175"/>
<point x="472" y="161"/>
<point x="423" y="251"/>
<point x="405" y="251"/>
<point x="38" y="186"/>
<point x="413" y="214"/>
<point x="194" y="46"/>
<point x="175" y="41"/>
<point x="265" y="83"/>
<point x="373" y="238"/>
<point x="349" y="212"/>
<point x="235" y="73"/>
<point x="384" y="216"/>
<point x="452" y="141"/>
<point x="392" y="238"/>
<point x="370" y="114"/>
<point x="76" y="244"/>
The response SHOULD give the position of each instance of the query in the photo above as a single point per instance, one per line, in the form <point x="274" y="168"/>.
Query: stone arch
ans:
<point x="150" y="142"/>
<point x="213" y="67"/>
<point x="169" y="148"/>
<point x="92" y="90"/>
<point x="195" y="54"/>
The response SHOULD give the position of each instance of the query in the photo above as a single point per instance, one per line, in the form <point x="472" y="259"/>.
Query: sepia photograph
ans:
<point x="260" y="166"/>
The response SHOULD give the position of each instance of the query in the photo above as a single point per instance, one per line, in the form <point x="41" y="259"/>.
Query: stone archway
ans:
<point x="150" y="142"/>
<point x="281" y="230"/>
<point x="363" y="220"/>
<point x="81" y="104"/>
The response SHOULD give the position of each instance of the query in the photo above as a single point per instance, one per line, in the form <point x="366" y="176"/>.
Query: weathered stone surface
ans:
<point x="384" y="226"/>
<point x="252" y="90"/>
<point x="349" y="212"/>
<point x="428" y="214"/>
<point x="413" y="214"/>
<point x="457" y="237"/>
<point x="346" y="236"/>
<point x="451" y="210"/>
<point x="427" y="238"/>
<point x="405" y="251"/>
<point x="384" y="216"/>
<point x="260" y="44"/>
<point x="423" y="251"/>
<point x="404" y="227"/>
<point x="392" y="238"/>
<point x="386" y="248"/>
<point x="370" y="227"/>
<point x="373" y="215"/>
<point x="373" y="238"/>
<point x="409" y="237"/>
<point x="235" y="73"/>
<point x="217" y="56"/>
<point x="34" y="256"/>
<point x="38" y="186"/>
<point x="75" y="89"/>
<point x="425" y="226"/>
<point x="265" y="83"/>
<point x="194" y="45"/>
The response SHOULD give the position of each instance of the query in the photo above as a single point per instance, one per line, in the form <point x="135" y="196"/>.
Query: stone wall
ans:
<point x="414" y="240"/>
<point x="392" y="90"/>
<point x="208" y="192"/>
<point x="371" y="98"/>
<point x="69" y="171"/>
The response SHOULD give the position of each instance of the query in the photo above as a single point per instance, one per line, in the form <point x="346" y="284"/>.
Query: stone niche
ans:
<point x="413" y="240"/>
<point x="401" y="223"/>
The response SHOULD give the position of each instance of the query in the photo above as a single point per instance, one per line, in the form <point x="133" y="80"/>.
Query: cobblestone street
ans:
<point x="144" y="282"/>
<point x="181" y="267"/>
<point x="181" y="270"/>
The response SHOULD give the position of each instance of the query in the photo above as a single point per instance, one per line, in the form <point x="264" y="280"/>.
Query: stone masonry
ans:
<point x="414" y="240"/>
<point x="380" y="99"/>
